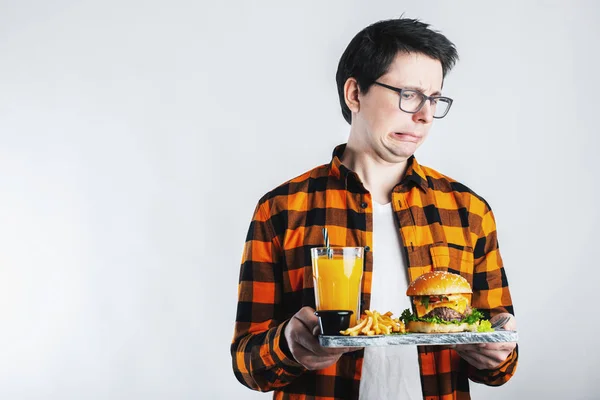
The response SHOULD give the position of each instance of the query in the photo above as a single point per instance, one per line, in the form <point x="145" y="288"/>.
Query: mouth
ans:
<point x="406" y="137"/>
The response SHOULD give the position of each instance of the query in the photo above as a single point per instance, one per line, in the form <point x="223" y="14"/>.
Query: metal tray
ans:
<point x="498" y="336"/>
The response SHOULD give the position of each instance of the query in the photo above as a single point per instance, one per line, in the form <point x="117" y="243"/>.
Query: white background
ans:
<point x="137" y="136"/>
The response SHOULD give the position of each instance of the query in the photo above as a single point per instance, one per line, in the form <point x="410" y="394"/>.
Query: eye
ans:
<point x="406" y="95"/>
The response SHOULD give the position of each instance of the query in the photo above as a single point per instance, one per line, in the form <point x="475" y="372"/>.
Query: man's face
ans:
<point x="392" y="134"/>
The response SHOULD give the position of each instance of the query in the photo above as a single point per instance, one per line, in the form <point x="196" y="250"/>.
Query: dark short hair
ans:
<point x="372" y="50"/>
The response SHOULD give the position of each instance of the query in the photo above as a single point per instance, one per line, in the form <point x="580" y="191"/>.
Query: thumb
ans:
<point x="307" y="317"/>
<point x="316" y="330"/>
<point x="511" y="325"/>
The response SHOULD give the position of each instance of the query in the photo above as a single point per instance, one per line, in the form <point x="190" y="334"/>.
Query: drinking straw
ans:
<point x="326" y="239"/>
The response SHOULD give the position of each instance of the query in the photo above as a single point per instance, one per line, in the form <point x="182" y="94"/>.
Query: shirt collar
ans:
<point x="414" y="172"/>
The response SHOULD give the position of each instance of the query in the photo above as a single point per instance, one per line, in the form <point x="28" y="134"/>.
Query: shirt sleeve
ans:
<point x="260" y="355"/>
<point x="491" y="296"/>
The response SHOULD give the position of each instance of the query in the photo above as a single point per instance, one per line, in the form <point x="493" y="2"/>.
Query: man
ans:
<point x="410" y="219"/>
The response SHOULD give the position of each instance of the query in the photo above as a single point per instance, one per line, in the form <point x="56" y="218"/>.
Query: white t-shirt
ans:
<point x="389" y="372"/>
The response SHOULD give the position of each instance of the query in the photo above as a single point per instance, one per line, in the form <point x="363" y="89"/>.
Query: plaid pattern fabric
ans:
<point x="444" y="226"/>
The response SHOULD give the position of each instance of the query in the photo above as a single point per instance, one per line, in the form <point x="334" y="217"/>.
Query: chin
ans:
<point x="402" y="153"/>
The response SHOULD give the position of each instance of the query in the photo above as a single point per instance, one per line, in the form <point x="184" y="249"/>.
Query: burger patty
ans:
<point x="447" y="314"/>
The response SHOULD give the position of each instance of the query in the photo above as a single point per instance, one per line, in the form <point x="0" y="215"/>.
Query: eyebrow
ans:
<point x="420" y="89"/>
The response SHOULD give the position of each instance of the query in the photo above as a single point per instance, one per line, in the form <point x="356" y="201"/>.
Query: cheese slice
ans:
<point x="456" y="302"/>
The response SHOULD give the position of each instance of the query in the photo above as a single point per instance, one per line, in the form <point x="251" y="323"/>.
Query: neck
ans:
<point x="377" y="175"/>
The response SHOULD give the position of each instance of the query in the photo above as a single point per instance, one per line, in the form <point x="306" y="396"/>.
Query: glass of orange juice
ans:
<point x="337" y="276"/>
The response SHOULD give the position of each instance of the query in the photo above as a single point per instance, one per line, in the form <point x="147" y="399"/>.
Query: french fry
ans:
<point x="400" y="326"/>
<point x="384" y="323"/>
<point x="374" y="323"/>
<point x="386" y="329"/>
<point x="376" y="327"/>
<point x="367" y="328"/>
<point x="356" y="328"/>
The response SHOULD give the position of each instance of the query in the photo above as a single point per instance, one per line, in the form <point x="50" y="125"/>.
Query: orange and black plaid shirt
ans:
<point x="443" y="226"/>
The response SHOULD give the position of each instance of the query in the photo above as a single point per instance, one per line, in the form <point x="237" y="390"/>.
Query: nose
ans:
<point x="425" y="114"/>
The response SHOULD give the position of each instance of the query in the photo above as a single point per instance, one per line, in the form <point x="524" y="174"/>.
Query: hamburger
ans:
<point x="441" y="304"/>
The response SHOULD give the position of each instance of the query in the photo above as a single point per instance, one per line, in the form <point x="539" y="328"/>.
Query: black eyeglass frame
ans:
<point x="424" y="98"/>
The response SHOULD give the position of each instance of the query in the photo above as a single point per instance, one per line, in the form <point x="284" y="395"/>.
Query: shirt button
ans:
<point x="363" y="204"/>
<point x="367" y="248"/>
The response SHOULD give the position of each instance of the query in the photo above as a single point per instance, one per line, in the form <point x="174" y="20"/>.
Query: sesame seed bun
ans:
<point x="438" y="282"/>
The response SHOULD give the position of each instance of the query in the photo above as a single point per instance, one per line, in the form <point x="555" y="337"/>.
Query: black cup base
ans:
<point x="333" y="321"/>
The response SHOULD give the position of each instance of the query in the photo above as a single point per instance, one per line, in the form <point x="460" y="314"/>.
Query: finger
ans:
<point x="510" y="325"/>
<point x="307" y="316"/>
<point x="309" y="359"/>
<point x="313" y="362"/>
<point x="468" y="358"/>
<point x="484" y="359"/>
<point x="307" y="340"/>
<point x="493" y="356"/>
<point x="505" y="346"/>
<point x="483" y="352"/>
<point x="316" y="331"/>
<point x="351" y="349"/>
<point x="472" y="361"/>
<point x="338" y="350"/>
<point x="466" y="347"/>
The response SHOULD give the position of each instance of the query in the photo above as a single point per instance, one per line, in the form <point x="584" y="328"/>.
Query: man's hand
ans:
<point x="488" y="355"/>
<point x="301" y="335"/>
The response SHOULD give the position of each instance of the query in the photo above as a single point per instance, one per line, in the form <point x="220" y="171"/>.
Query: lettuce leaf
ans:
<point x="407" y="316"/>
<point x="485" y="326"/>
<point x="475" y="316"/>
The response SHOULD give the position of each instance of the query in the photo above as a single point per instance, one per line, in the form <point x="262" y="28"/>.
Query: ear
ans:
<point x="351" y="92"/>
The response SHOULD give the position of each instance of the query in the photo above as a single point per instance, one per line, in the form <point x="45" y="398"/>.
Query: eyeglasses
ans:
<point x="411" y="101"/>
